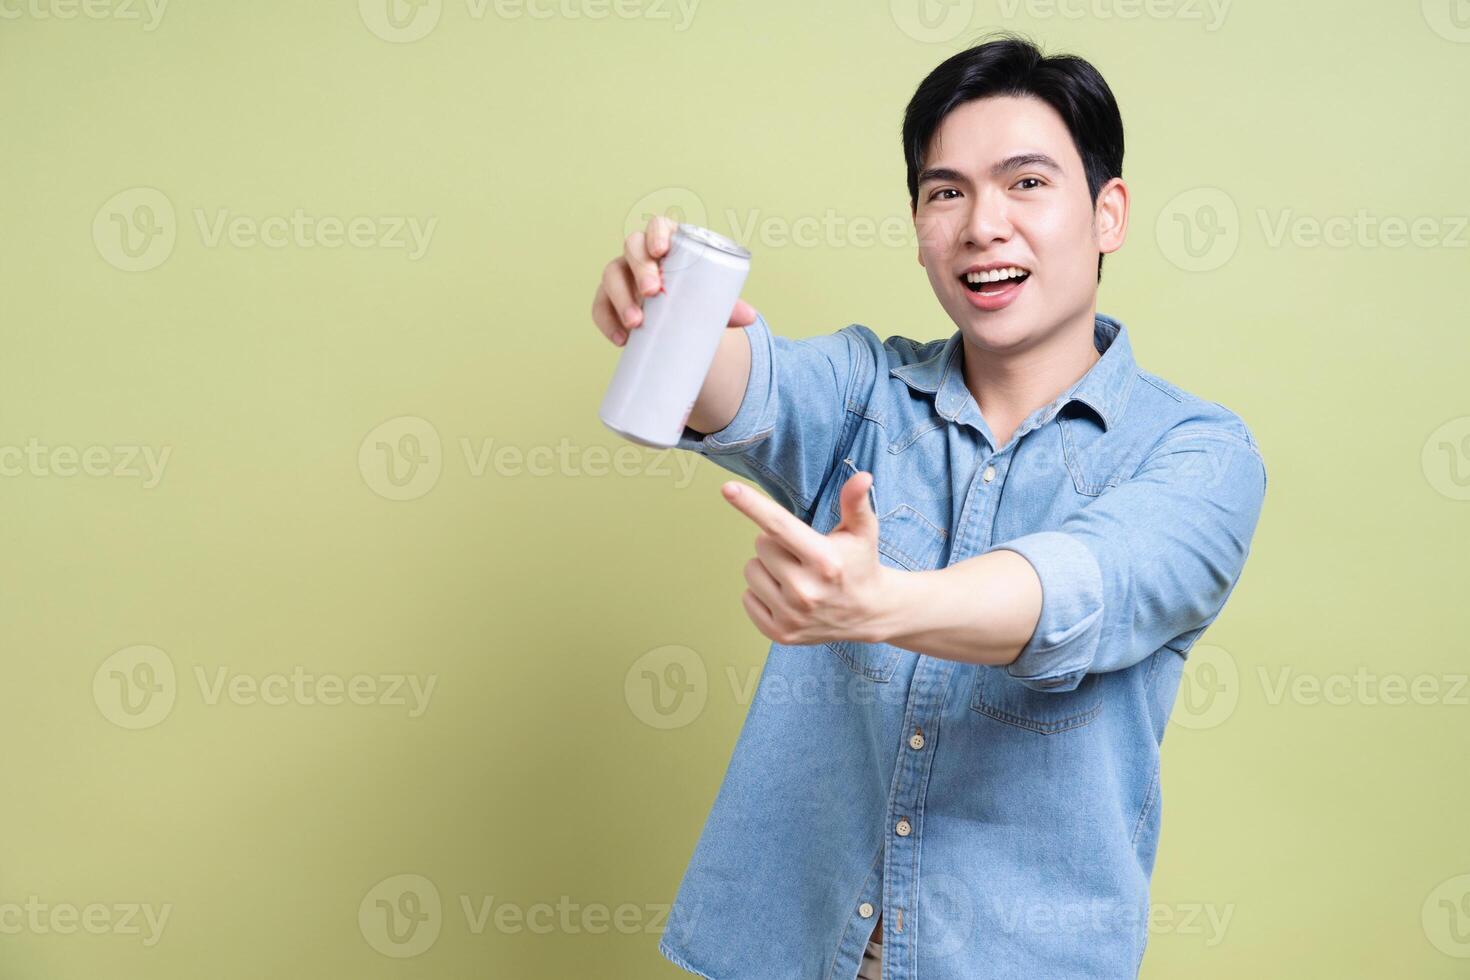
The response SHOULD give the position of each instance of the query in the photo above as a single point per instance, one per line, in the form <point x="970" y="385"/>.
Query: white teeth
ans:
<point x="995" y="275"/>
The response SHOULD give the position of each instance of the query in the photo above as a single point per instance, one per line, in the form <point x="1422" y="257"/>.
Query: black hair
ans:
<point x="1013" y="65"/>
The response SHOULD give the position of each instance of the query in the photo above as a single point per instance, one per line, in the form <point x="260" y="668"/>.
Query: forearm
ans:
<point x="980" y="610"/>
<point x="724" y="386"/>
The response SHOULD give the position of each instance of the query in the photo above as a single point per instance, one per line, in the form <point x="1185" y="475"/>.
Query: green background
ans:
<point x="1330" y="830"/>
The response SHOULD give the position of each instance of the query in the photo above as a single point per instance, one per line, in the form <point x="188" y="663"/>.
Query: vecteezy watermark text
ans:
<point x="406" y="21"/>
<point x="149" y="12"/>
<point x="137" y="687"/>
<point x="402" y="916"/>
<point x="36" y="459"/>
<point x="40" y="918"/>
<point x="136" y="229"/>
<point x="403" y="458"/>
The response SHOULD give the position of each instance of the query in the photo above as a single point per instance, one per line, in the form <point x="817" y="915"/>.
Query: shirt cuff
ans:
<point x="744" y="429"/>
<point x="1061" y="649"/>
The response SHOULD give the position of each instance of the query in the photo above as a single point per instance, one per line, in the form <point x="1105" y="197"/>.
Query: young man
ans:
<point x="983" y="563"/>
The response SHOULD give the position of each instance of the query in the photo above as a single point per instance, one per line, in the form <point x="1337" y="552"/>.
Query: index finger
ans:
<point x="799" y="538"/>
<point x="660" y="229"/>
<point x="643" y="266"/>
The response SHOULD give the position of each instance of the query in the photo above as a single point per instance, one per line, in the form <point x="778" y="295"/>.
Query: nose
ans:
<point x="987" y="221"/>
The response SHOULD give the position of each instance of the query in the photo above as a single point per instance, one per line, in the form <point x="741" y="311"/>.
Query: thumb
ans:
<point x="857" y="509"/>
<point x="743" y="315"/>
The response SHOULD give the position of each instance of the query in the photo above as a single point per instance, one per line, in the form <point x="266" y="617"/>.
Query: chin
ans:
<point x="995" y="330"/>
<point x="988" y="334"/>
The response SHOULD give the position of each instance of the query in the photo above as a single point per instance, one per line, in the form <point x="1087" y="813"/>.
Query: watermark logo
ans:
<point x="667" y="687"/>
<point x="400" y="21"/>
<point x="946" y="914"/>
<point x="1446" y="917"/>
<point x="932" y="21"/>
<point x="402" y="458"/>
<point x="1199" y="229"/>
<point x="1209" y="688"/>
<point x="401" y="915"/>
<point x="1445" y="458"/>
<point x="136" y="687"/>
<point x="135" y="229"/>
<point x="1450" y="19"/>
<point x="679" y="204"/>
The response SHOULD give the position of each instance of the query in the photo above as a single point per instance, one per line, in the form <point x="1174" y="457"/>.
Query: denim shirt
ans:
<point x="1004" y="820"/>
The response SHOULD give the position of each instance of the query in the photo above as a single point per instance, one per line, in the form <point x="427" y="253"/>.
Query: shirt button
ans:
<point x="916" y="741"/>
<point x="989" y="473"/>
<point x="903" y="828"/>
<point x="866" y="910"/>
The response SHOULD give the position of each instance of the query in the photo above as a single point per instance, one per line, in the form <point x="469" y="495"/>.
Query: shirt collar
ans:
<point x="1104" y="388"/>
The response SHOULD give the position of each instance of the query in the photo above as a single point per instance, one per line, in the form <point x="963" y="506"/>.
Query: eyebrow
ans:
<point x="998" y="169"/>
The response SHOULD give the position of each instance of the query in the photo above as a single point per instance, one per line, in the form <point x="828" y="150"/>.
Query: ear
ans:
<point x="1110" y="217"/>
<point x="914" y="217"/>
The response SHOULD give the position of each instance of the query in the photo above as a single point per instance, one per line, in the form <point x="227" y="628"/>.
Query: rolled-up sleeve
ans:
<point x="1150" y="562"/>
<point x="793" y="417"/>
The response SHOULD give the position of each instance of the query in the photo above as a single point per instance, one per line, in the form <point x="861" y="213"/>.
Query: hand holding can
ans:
<point x="678" y="288"/>
<point x="629" y="279"/>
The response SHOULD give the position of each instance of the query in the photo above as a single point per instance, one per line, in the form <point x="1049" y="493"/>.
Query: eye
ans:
<point x="1023" y="180"/>
<point x="941" y="191"/>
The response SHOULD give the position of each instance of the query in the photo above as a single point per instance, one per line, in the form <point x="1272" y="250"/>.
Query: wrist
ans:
<point x="885" y="619"/>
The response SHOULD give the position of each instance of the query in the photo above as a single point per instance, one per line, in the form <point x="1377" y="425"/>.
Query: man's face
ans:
<point x="1002" y="184"/>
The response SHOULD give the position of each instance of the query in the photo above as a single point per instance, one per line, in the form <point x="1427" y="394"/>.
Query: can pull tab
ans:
<point x="872" y="496"/>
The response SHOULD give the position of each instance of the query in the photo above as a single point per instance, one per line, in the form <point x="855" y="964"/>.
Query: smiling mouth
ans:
<point x="994" y="282"/>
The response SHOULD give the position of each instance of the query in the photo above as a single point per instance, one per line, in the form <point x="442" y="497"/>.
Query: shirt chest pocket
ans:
<point x="1000" y="696"/>
<point x="906" y="540"/>
<point x="1094" y="467"/>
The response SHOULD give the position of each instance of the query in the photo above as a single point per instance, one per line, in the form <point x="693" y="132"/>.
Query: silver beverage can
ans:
<point x="667" y="357"/>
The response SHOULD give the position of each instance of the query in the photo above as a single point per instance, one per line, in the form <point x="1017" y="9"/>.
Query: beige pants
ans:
<point x="871" y="967"/>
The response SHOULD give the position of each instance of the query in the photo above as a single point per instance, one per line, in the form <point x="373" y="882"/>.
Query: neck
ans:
<point x="1010" y="385"/>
